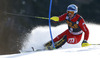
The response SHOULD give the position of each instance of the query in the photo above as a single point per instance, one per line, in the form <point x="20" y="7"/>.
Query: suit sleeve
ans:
<point x="84" y="29"/>
<point x="62" y="17"/>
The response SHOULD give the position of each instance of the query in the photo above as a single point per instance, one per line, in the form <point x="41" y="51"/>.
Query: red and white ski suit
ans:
<point x="76" y="26"/>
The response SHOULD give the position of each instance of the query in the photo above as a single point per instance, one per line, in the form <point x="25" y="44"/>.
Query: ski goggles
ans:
<point x="70" y="12"/>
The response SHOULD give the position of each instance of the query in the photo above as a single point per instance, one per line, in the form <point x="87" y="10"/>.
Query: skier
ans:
<point x="76" y="26"/>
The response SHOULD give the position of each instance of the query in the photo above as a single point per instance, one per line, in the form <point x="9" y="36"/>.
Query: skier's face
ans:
<point x="70" y="14"/>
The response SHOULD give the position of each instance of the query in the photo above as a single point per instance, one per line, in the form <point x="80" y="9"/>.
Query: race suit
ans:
<point x="76" y="26"/>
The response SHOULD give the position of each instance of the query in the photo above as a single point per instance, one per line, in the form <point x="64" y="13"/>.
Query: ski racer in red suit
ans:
<point x="76" y="26"/>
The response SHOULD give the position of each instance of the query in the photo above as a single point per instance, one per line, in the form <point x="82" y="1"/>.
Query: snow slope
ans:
<point x="40" y="35"/>
<point x="86" y="52"/>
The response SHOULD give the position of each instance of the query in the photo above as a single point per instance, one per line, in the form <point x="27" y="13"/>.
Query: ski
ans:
<point x="37" y="49"/>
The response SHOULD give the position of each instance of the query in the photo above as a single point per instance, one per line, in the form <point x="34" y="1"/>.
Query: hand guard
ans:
<point x="54" y="18"/>
<point x="85" y="43"/>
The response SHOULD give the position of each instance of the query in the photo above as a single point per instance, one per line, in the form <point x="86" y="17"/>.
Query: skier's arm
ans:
<point x="84" y="28"/>
<point x="86" y="31"/>
<point x="60" y="18"/>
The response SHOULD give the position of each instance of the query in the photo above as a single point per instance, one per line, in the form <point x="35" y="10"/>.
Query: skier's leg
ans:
<point x="58" y="44"/>
<point x="74" y="39"/>
<point x="56" y="38"/>
<point x="60" y="36"/>
<point x="61" y="42"/>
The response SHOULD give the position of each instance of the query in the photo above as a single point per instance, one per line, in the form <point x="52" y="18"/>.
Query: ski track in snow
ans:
<point x="40" y="35"/>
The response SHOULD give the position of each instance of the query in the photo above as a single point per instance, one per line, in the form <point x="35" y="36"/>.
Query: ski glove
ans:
<point x="54" y="18"/>
<point x="85" y="43"/>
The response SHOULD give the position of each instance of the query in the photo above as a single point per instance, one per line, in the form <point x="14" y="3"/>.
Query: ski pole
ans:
<point x="94" y="44"/>
<point x="25" y="15"/>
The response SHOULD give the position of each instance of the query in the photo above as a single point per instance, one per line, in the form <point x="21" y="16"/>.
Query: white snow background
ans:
<point x="41" y="35"/>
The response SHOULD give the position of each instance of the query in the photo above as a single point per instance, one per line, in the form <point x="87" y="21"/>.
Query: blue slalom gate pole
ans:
<point x="50" y="24"/>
